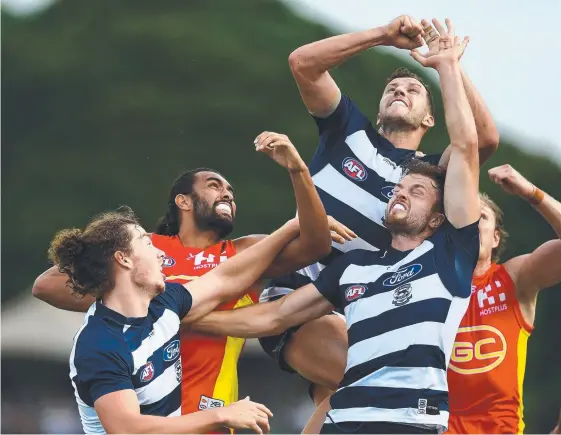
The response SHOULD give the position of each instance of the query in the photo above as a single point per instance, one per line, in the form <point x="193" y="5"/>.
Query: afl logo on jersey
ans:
<point x="387" y="192"/>
<point x="354" y="169"/>
<point x="168" y="261"/>
<point x="402" y="295"/>
<point x="147" y="372"/>
<point x="354" y="292"/>
<point x="403" y="275"/>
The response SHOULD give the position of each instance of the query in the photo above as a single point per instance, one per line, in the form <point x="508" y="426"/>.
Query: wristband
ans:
<point x="537" y="196"/>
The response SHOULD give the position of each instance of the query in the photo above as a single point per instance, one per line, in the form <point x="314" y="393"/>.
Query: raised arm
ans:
<point x="50" y="287"/>
<point x="487" y="133"/>
<point x="541" y="268"/>
<point x="314" y="241"/>
<point x="310" y="64"/>
<point x="270" y="318"/>
<point x="461" y="189"/>
<point x="233" y="277"/>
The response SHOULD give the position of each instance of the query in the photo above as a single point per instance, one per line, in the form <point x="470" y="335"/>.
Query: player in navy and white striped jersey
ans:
<point x="403" y="303"/>
<point x="125" y="364"/>
<point x="355" y="168"/>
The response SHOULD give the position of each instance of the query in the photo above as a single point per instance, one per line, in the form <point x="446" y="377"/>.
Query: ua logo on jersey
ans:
<point x="403" y="275"/>
<point x="354" y="292"/>
<point x="147" y="372"/>
<point x="354" y="169"/>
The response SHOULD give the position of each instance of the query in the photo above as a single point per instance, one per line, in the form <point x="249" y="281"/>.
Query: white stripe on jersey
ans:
<point x="176" y="413"/>
<point x="344" y="190"/>
<point x="456" y="313"/>
<point x="393" y="341"/>
<point x="401" y="415"/>
<point x="403" y="377"/>
<point x="365" y="274"/>
<point x="422" y="289"/>
<point x="367" y="153"/>
<point x="159" y="387"/>
<point x="349" y="245"/>
<point x="163" y="330"/>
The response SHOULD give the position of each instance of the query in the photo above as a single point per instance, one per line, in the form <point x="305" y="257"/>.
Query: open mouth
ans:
<point x="225" y="208"/>
<point x="399" y="103"/>
<point x="398" y="206"/>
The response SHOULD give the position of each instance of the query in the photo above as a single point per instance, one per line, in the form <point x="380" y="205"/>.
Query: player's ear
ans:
<point x="428" y="121"/>
<point x="123" y="259"/>
<point x="184" y="202"/>
<point x="436" y="220"/>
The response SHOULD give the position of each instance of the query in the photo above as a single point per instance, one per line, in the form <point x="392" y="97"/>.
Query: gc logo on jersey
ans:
<point x="171" y="351"/>
<point x="402" y="295"/>
<point x="403" y="275"/>
<point x="478" y="349"/>
<point x="168" y="261"/>
<point x="147" y="372"/>
<point x="354" y="169"/>
<point x="354" y="292"/>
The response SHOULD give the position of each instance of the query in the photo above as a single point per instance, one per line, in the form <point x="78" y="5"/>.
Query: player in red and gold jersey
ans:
<point x="486" y="370"/>
<point x="200" y="215"/>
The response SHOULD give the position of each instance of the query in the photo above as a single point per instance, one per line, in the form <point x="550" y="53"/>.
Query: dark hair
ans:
<point x="436" y="173"/>
<point x="168" y="224"/>
<point x="404" y="72"/>
<point x="87" y="256"/>
<point x="499" y="226"/>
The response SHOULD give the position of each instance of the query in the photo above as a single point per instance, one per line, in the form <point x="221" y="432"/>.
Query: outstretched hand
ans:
<point x="281" y="150"/>
<point x="443" y="45"/>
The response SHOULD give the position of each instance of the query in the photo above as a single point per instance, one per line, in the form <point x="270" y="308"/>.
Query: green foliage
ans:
<point x="105" y="102"/>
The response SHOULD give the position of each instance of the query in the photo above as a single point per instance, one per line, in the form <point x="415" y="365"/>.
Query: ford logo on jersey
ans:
<point x="354" y="292"/>
<point x="147" y="372"/>
<point x="171" y="351"/>
<point x="354" y="169"/>
<point x="387" y="192"/>
<point x="403" y="275"/>
<point x="168" y="261"/>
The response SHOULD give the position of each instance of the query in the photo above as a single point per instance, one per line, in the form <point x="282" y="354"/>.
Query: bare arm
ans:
<point x="487" y="133"/>
<point x="50" y="287"/>
<point x="233" y="277"/>
<point x="310" y="63"/>
<point x="119" y="412"/>
<point x="541" y="268"/>
<point x="270" y="318"/>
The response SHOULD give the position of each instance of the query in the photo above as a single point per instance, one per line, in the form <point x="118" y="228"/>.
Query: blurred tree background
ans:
<point x="106" y="102"/>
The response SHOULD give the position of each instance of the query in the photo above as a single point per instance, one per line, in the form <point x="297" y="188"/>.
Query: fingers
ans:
<point x="411" y="28"/>
<point x="464" y="44"/>
<point x="264" y="409"/>
<point x="342" y="231"/>
<point x="430" y="34"/>
<point x="268" y="137"/>
<point x="263" y="423"/>
<point x="418" y="57"/>
<point x="449" y="26"/>
<point x="439" y="27"/>
<point x="337" y="238"/>
<point x="255" y="428"/>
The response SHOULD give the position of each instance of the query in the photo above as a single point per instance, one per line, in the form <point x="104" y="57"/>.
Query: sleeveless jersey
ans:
<point x="210" y="377"/>
<point x="486" y="371"/>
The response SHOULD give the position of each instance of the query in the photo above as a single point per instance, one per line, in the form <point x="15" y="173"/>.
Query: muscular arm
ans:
<point x="541" y="268"/>
<point x="50" y="287"/>
<point x="461" y="189"/>
<point x="270" y="318"/>
<point x="119" y="412"/>
<point x="487" y="133"/>
<point x="232" y="278"/>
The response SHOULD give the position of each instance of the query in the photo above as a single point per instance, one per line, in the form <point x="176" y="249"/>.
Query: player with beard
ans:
<point x="355" y="168"/>
<point x="200" y="214"/>
<point x="403" y="303"/>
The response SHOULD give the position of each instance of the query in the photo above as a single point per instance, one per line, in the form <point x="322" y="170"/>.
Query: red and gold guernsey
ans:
<point x="488" y="360"/>
<point x="210" y="374"/>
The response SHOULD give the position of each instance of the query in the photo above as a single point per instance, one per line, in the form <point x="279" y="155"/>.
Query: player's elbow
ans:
<point x="40" y="289"/>
<point x="301" y="64"/>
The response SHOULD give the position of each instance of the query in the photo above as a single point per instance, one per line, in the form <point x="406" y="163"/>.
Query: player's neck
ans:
<point x="192" y="237"/>
<point x="483" y="265"/>
<point x="405" y="139"/>
<point x="406" y="242"/>
<point x="127" y="299"/>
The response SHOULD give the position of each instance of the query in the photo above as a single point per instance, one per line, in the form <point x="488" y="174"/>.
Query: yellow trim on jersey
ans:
<point x="226" y="387"/>
<point x="185" y="277"/>
<point x="521" y="351"/>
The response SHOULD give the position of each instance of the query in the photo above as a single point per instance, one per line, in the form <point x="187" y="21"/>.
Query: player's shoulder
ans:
<point x="161" y="240"/>
<point x="100" y="337"/>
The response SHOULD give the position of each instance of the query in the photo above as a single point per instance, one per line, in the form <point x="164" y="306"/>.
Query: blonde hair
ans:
<point x="499" y="226"/>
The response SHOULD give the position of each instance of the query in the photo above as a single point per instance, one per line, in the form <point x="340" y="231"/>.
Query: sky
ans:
<point x="513" y="57"/>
